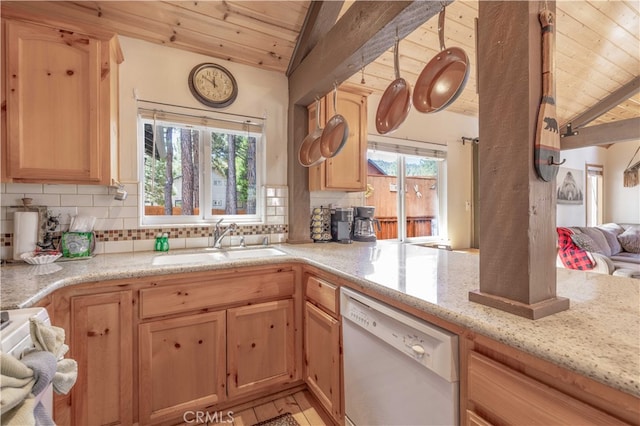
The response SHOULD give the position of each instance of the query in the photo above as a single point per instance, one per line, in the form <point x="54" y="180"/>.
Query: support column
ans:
<point x="298" y="178"/>
<point x="517" y="209"/>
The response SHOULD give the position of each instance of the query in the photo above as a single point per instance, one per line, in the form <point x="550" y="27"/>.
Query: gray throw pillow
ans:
<point x="610" y="231"/>
<point x="630" y="240"/>
<point x="598" y="239"/>
<point x="585" y="242"/>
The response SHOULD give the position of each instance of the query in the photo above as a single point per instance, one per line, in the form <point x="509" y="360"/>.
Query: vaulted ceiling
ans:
<point x="597" y="59"/>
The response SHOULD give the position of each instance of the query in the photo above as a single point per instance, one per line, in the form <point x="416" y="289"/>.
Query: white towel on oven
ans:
<point x="48" y="337"/>
<point x="16" y="400"/>
<point x="51" y="338"/>
<point x="44" y="367"/>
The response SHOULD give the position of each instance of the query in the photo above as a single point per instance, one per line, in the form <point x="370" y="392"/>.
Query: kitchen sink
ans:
<point x="216" y="256"/>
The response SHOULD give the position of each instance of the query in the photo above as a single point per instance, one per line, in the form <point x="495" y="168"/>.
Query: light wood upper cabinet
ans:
<point x="182" y="365"/>
<point x="347" y="171"/>
<point x="101" y="342"/>
<point x="260" y="345"/>
<point x="61" y="105"/>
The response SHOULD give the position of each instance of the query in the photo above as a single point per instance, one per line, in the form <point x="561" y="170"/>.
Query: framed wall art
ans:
<point x="570" y="186"/>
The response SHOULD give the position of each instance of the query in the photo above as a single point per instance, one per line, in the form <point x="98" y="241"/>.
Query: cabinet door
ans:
<point x="347" y="170"/>
<point x="181" y="365"/>
<point x="507" y="396"/>
<point x="322" y="358"/>
<point x="53" y="105"/>
<point x="260" y="344"/>
<point x="101" y="343"/>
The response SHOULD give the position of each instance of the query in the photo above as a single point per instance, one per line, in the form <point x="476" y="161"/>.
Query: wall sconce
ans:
<point x="121" y="193"/>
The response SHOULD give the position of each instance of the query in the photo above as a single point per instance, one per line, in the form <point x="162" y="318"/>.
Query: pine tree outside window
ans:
<point x="200" y="169"/>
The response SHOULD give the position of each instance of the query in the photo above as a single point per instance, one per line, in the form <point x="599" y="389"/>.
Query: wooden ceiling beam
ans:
<point x="364" y="32"/>
<point x="603" y="134"/>
<point x="321" y="16"/>
<point x="609" y="102"/>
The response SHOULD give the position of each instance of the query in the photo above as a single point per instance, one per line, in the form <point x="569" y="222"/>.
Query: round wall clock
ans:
<point x="213" y="85"/>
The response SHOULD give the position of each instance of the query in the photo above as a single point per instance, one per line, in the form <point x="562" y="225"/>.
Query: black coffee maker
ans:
<point x="341" y="223"/>
<point x="363" y="224"/>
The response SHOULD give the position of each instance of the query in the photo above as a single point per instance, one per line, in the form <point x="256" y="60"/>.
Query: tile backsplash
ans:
<point x="117" y="222"/>
<point x="336" y="198"/>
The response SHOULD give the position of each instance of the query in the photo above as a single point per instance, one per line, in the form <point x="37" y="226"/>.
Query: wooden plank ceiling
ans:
<point x="598" y="44"/>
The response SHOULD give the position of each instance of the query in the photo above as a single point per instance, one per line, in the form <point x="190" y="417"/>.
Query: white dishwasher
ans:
<point x="398" y="369"/>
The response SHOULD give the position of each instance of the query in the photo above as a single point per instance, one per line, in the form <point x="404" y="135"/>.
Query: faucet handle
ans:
<point x="265" y="240"/>
<point x="242" y="242"/>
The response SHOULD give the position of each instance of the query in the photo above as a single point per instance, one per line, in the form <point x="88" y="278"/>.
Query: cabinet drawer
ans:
<point x="323" y="293"/>
<point x="510" y="397"/>
<point x="214" y="293"/>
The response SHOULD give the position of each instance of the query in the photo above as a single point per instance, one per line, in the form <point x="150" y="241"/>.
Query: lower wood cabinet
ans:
<point x="182" y="364"/>
<point x="322" y="358"/>
<point x="100" y="340"/>
<point x="260" y="345"/>
<point x="502" y="385"/>
<point x="215" y="338"/>
<point x="515" y="398"/>
<point x="151" y="350"/>
<point x="322" y="349"/>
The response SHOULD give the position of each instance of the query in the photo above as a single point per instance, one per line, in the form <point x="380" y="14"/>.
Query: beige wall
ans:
<point x="621" y="204"/>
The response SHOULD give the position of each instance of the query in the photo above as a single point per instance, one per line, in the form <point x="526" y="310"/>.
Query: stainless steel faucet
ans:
<point x="216" y="231"/>
<point x="218" y="234"/>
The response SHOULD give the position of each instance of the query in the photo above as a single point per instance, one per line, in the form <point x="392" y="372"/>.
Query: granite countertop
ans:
<point x="597" y="337"/>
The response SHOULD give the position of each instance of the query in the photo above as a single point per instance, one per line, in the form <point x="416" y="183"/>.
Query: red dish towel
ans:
<point x="572" y="256"/>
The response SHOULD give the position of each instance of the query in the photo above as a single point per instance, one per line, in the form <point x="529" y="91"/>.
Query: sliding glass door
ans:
<point x="404" y="189"/>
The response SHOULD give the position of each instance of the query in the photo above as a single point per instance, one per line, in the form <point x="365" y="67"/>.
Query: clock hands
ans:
<point x="211" y="80"/>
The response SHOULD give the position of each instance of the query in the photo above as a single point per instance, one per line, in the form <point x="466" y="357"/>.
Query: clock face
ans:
<point x="213" y="85"/>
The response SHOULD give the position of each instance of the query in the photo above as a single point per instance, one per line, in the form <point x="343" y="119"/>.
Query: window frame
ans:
<point x="205" y="217"/>
<point x="594" y="170"/>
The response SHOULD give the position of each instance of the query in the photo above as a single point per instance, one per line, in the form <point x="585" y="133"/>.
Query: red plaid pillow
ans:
<point x="572" y="256"/>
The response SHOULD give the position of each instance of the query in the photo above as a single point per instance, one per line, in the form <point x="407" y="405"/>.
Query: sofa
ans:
<point x="610" y="248"/>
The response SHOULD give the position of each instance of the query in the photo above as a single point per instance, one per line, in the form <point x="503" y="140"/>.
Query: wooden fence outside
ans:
<point x="417" y="226"/>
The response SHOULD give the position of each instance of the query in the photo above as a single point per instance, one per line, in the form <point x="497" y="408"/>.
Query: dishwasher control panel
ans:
<point x="429" y="345"/>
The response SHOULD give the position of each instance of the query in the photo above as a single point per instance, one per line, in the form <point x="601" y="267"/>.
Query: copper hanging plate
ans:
<point x="395" y="103"/>
<point x="309" y="153"/>
<point x="443" y="78"/>
<point x="335" y="134"/>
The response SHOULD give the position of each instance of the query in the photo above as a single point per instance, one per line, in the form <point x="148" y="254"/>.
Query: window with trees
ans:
<point x="200" y="169"/>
